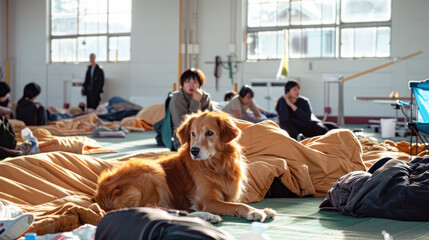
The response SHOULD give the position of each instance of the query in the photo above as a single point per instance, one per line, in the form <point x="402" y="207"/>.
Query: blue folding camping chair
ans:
<point x="418" y="120"/>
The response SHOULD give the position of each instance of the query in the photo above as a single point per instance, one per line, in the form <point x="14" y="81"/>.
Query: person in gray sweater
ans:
<point x="189" y="99"/>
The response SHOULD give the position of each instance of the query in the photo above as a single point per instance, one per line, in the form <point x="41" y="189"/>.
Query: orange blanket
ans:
<point x="145" y="118"/>
<point x="374" y="150"/>
<point x="56" y="187"/>
<point x="307" y="168"/>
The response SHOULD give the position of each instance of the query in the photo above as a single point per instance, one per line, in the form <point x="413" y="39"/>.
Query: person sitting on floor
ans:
<point x="228" y="96"/>
<point x="5" y="109"/>
<point x="189" y="99"/>
<point x="239" y="104"/>
<point x="295" y="113"/>
<point x="28" y="111"/>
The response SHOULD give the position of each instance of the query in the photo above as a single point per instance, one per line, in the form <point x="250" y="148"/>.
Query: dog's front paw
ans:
<point x="212" y="218"/>
<point x="270" y="213"/>
<point x="256" y="215"/>
<point x="261" y="215"/>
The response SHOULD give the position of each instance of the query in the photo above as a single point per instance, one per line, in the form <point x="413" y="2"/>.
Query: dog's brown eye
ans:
<point x="192" y="134"/>
<point x="209" y="133"/>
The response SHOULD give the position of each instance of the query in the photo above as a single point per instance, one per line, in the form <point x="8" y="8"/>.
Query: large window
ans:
<point x="318" y="28"/>
<point x="81" y="27"/>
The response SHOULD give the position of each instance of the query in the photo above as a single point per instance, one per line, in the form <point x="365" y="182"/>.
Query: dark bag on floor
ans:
<point x="7" y="134"/>
<point x="164" y="128"/>
<point x="151" y="223"/>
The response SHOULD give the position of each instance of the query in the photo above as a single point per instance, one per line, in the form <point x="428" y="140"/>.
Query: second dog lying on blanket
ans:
<point x="207" y="174"/>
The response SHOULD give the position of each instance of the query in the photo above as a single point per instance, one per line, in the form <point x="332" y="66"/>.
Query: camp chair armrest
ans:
<point x="404" y="104"/>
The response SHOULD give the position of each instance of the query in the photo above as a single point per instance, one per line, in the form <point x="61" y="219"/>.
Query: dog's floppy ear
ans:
<point x="184" y="130"/>
<point x="228" y="130"/>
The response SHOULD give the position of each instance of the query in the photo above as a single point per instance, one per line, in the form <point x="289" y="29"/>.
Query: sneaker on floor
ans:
<point x="13" y="228"/>
<point x="358" y="132"/>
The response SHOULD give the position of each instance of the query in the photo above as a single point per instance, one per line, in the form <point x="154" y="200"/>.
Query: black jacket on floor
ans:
<point x="391" y="188"/>
<point x="7" y="134"/>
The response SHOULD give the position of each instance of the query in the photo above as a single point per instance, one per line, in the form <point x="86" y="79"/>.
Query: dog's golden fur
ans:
<point x="207" y="173"/>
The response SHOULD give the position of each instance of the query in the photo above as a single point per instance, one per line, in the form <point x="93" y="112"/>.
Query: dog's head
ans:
<point x="206" y="133"/>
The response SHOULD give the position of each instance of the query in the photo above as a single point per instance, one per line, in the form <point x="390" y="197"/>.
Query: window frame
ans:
<point x="338" y="25"/>
<point x="108" y="35"/>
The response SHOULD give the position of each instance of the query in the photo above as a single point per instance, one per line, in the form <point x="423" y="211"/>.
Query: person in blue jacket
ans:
<point x="295" y="113"/>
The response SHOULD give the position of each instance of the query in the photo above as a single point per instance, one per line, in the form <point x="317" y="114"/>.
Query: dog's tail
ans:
<point x="133" y="184"/>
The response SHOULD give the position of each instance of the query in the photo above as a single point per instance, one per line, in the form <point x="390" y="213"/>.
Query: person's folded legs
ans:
<point x="20" y="150"/>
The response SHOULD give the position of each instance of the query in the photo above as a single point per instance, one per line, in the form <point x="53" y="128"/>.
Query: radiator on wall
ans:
<point x="73" y="93"/>
<point x="267" y="92"/>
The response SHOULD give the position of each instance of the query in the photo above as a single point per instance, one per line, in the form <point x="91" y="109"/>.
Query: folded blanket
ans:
<point x="72" y="144"/>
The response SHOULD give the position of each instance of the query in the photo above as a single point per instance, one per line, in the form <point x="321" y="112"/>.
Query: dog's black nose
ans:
<point x="195" y="151"/>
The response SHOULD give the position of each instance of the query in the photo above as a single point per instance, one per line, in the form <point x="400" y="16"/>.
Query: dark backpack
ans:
<point x="164" y="128"/>
<point x="7" y="134"/>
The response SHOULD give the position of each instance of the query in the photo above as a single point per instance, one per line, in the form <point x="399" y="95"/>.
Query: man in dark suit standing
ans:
<point x="93" y="85"/>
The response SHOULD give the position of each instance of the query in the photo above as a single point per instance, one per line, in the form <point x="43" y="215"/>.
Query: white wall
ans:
<point x="3" y="37"/>
<point x="27" y="46"/>
<point x="154" y="59"/>
<point x="409" y="34"/>
<point x="214" y="26"/>
<point x="151" y="71"/>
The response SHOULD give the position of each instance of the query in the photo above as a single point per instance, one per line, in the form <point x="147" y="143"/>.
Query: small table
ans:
<point x="392" y="102"/>
<point x="388" y="100"/>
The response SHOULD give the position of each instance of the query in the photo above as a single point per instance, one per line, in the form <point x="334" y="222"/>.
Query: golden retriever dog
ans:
<point x="206" y="175"/>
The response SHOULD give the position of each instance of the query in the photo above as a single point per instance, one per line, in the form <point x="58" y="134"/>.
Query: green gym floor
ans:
<point x="298" y="218"/>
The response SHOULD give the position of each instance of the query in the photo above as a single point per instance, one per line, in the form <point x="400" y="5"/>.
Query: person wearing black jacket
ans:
<point x="295" y="113"/>
<point x="5" y="109"/>
<point x="93" y="85"/>
<point x="30" y="112"/>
